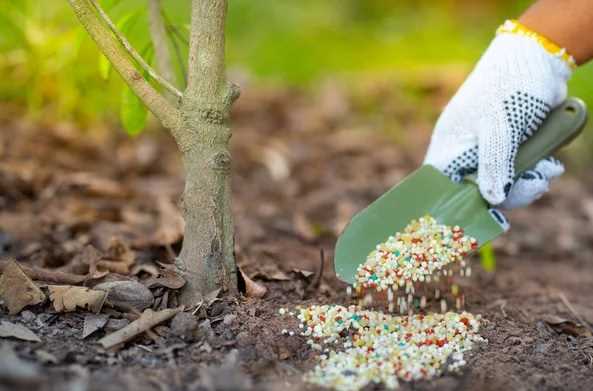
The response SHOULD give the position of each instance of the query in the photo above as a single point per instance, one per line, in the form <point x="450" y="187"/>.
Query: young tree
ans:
<point x="198" y="119"/>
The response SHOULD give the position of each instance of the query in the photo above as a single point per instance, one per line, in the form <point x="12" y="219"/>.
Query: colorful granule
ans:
<point x="422" y="251"/>
<point x="359" y="347"/>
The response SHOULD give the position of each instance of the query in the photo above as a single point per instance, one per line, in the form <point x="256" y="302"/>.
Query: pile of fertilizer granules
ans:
<point x="358" y="346"/>
<point x="418" y="254"/>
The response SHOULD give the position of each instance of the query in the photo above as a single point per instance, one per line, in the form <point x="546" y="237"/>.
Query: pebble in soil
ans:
<point x="359" y="346"/>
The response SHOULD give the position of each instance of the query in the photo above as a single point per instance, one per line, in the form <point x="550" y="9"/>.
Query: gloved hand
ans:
<point x="520" y="78"/>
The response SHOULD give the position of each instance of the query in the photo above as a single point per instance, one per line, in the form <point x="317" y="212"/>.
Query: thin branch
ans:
<point x="178" y="54"/>
<point x="206" y="76"/>
<point x="177" y="36"/>
<point x="133" y="53"/>
<point x="168" y="114"/>
<point x="160" y="41"/>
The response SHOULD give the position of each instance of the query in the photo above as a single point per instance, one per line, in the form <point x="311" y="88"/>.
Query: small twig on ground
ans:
<point x="54" y="277"/>
<point x="574" y="312"/>
<point x="147" y="320"/>
<point x="133" y="314"/>
<point x="316" y="283"/>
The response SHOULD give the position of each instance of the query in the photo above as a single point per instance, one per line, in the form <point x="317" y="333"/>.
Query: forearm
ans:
<point x="568" y="23"/>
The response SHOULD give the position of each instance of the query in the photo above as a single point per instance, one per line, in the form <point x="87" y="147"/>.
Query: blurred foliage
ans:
<point x="487" y="258"/>
<point x="49" y="64"/>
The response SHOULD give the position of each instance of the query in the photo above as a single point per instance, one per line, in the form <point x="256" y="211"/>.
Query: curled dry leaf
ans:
<point x="18" y="331"/>
<point x="252" y="288"/>
<point x="17" y="290"/>
<point x="67" y="298"/>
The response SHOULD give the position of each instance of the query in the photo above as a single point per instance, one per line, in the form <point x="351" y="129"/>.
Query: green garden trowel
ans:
<point x="428" y="191"/>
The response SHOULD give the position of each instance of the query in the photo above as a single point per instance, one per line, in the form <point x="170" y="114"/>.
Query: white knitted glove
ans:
<point x="503" y="102"/>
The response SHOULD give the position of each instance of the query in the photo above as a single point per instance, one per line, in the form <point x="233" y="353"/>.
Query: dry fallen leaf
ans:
<point x="252" y="288"/>
<point x="14" y="330"/>
<point x="119" y="257"/>
<point x="92" y="323"/>
<point x="566" y="326"/>
<point x="67" y="298"/>
<point x="17" y="290"/>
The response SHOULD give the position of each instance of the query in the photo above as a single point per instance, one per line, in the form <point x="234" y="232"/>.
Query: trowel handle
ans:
<point x="561" y="126"/>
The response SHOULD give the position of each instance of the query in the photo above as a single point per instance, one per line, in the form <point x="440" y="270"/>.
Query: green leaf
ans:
<point x="132" y="112"/>
<point x="126" y="22"/>
<point x="104" y="67"/>
<point x="108" y="4"/>
<point x="487" y="257"/>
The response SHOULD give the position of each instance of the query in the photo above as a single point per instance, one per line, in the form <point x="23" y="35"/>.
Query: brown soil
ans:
<point x="303" y="164"/>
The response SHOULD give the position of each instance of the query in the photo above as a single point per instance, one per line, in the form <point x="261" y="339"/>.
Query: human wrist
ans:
<point x="515" y="27"/>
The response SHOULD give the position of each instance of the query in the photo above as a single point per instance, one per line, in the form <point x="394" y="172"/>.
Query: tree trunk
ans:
<point x="207" y="257"/>
<point x="200" y="128"/>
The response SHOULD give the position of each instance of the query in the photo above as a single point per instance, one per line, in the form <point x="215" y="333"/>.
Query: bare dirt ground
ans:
<point x="303" y="164"/>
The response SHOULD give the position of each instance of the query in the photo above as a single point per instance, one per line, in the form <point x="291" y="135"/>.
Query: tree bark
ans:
<point x="207" y="257"/>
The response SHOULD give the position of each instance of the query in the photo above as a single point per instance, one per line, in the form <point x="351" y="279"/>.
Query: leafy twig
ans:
<point x="110" y="46"/>
<point x="159" y="40"/>
<point x="133" y="53"/>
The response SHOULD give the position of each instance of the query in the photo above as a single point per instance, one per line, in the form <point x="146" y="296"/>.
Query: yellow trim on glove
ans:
<point x="515" y="27"/>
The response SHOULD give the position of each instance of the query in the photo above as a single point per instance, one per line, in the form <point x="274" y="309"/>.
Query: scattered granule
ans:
<point x="358" y="346"/>
<point x="362" y="347"/>
<point x="422" y="251"/>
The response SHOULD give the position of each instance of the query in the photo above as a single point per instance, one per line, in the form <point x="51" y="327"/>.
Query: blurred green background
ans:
<point x="51" y="68"/>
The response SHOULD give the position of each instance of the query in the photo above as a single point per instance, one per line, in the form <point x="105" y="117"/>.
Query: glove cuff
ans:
<point x="516" y="28"/>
